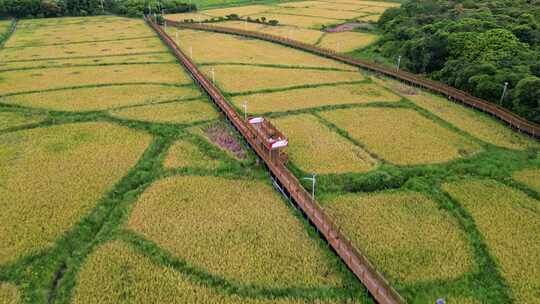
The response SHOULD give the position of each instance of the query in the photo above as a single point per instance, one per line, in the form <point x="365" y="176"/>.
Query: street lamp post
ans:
<point x="504" y="92"/>
<point x="398" y="63"/>
<point x="245" y="110"/>
<point x="313" y="180"/>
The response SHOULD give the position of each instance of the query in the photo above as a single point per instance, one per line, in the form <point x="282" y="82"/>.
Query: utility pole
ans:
<point x="313" y="180"/>
<point x="213" y="76"/>
<point x="245" y="110"/>
<point x="504" y="92"/>
<point x="398" y="63"/>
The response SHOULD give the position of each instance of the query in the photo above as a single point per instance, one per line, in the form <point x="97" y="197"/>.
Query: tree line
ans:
<point x="60" y="8"/>
<point x="480" y="46"/>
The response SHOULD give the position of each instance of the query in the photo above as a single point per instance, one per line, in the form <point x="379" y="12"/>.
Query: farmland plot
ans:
<point x="184" y="154"/>
<point x="8" y="294"/>
<point x="11" y="120"/>
<point x="347" y="41"/>
<point x="530" y="177"/>
<point x="79" y="161"/>
<point x="509" y="221"/>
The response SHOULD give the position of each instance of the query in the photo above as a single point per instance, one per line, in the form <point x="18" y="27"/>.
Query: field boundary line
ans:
<point x="453" y="94"/>
<point x="5" y="36"/>
<point x="357" y="262"/>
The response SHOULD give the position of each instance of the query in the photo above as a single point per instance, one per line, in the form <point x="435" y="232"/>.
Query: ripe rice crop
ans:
<point x="509" y="222"/>
<point x="164" y="57"/>
<point x="530" y="177"/>
<point x="69" y="167"/>
<point x="11" y="119"/>
<point x="373" y="10"/>
<point x="185" y="154"/>
<point x="37" y="80"/>
<point x="320" y="12"/>
<point x="240" y="10"/>
<point x="8" y="294"/>
<point x="101" y="98"/>
<point x="370" y="18"/>
<point x="197" y="17"/>
<point x="296" y="20"/>
<point x="216" y="224"/>
<point x="402" y="136"/>
<point x="481" y="126"/>
<point x="102" y="280"/>
<point x="292" y="32"/>
<point x="106" y="48"/>
<point x="36" y="32"/>
<point x="177" y="112"/>
<point x="323" y="5"/>
<point x="236" y="49"/>
<point x="238" y="78"/>
<point x="347" y="41"/>
<point x="315" y="97"/>
<point x="315" y="148"/>
<point x="404" y="234"/>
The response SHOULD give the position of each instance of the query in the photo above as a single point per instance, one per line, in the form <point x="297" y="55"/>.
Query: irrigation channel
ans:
<point x="357" y="262"/>
<point x="497" y="111"/>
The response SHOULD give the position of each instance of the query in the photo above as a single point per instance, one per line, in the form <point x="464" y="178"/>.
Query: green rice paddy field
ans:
<point x="120" y="182"/>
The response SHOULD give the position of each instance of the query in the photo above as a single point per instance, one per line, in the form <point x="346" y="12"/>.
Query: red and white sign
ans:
<point x="280" y="144"/>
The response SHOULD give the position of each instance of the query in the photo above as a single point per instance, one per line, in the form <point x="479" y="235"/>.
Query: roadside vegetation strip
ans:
<point x="87" y="49"/>
<point x="9" y="294"/>
<point x="405" y="234"/>
<point x="529" y="177"/>
<point x="116" y="272"/>
<point x="316" y="148"/>
<point x="186" y="112"/>
<point x="238" y="79"/>
<point x="512" y="119"/>
<point x="509" y="221"/>
<point x="58" y="161"/>
<point x="99" y="98"/>
<point x="32" y="80"/>
<point x="477" y="124"/>
<point x="224" y="232"/>
<point x="234" y="49"/>
<point x="402" y="136"/>
<point x="10" y="120"/>
<point x="314" y="97"/>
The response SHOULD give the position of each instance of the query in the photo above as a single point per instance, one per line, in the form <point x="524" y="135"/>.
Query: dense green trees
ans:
<point x="476" y="46"/>
<point x="57" y="8"/>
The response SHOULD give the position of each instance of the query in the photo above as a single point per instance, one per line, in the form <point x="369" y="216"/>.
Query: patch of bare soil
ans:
<point x="219" y="135"/>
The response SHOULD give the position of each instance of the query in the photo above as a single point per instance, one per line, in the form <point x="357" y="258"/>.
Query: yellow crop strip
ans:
<point x="471" y="121"/>
<point x="297" y="20"/>
<point x="238" y="78"/>
<point x="69" y="167"/>
<point x="102" y="280"/>
<point x="315" y="148"/>
<point x="347" y="41"/>
<point x="9" y="294"/>
<point x="291" y="32"/>
<point x="405" y="234"/>
<point x="315" y="97"/>
<point x="11" y="119"/>
<point x="510" y="223"/>
<point x="402" y="136"/>
<point x="202" y="45"/>
<point x="320" y="12"/>
<point x="177" y="112"/>
<point x="37" y="80"/>
<point x="530" y="177"/>
<point x="184" y="154"/>
<point x="217" y="224"/>
<point x="240" y="10"/>
<point x="101" y="98"/>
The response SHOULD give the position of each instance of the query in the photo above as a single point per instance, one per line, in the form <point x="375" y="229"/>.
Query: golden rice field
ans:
<point x="509" y="222"/>
<point x="246" y="78"/>
<point x="76" y="161"/>
<point x="215" y="224"/>
<point x="370" y="18"/>
<point x="296" y="33"/>
<point x="529" y="177"/>
<point x="481" y="126"/>
<point x="250" y="51"/>
<point x="347" y="41"/>
<point x="107" y="48"/>
<point x="315" y="97"/>
<point x="319" y="12"/>
<point x="315" y="148"/>
<point x="324" y="5"/>
<point x="247" y="10"/>
<point x="197" y="17"/>
<point x="298" y="20"/>
<point x="35" y="32"/>
<point x="103" y="280"/>
<point x="13" y="119"/>
<point x="158" y="57"/>
<point x="405" y="234"/>
<point x="102" y="98"/>
<point x="402" y="136"/>
<point x="8" y="294"/>
<point x="38" y="80"/>
<point x="185" y="154"/>
<point x="185" y="112"/>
